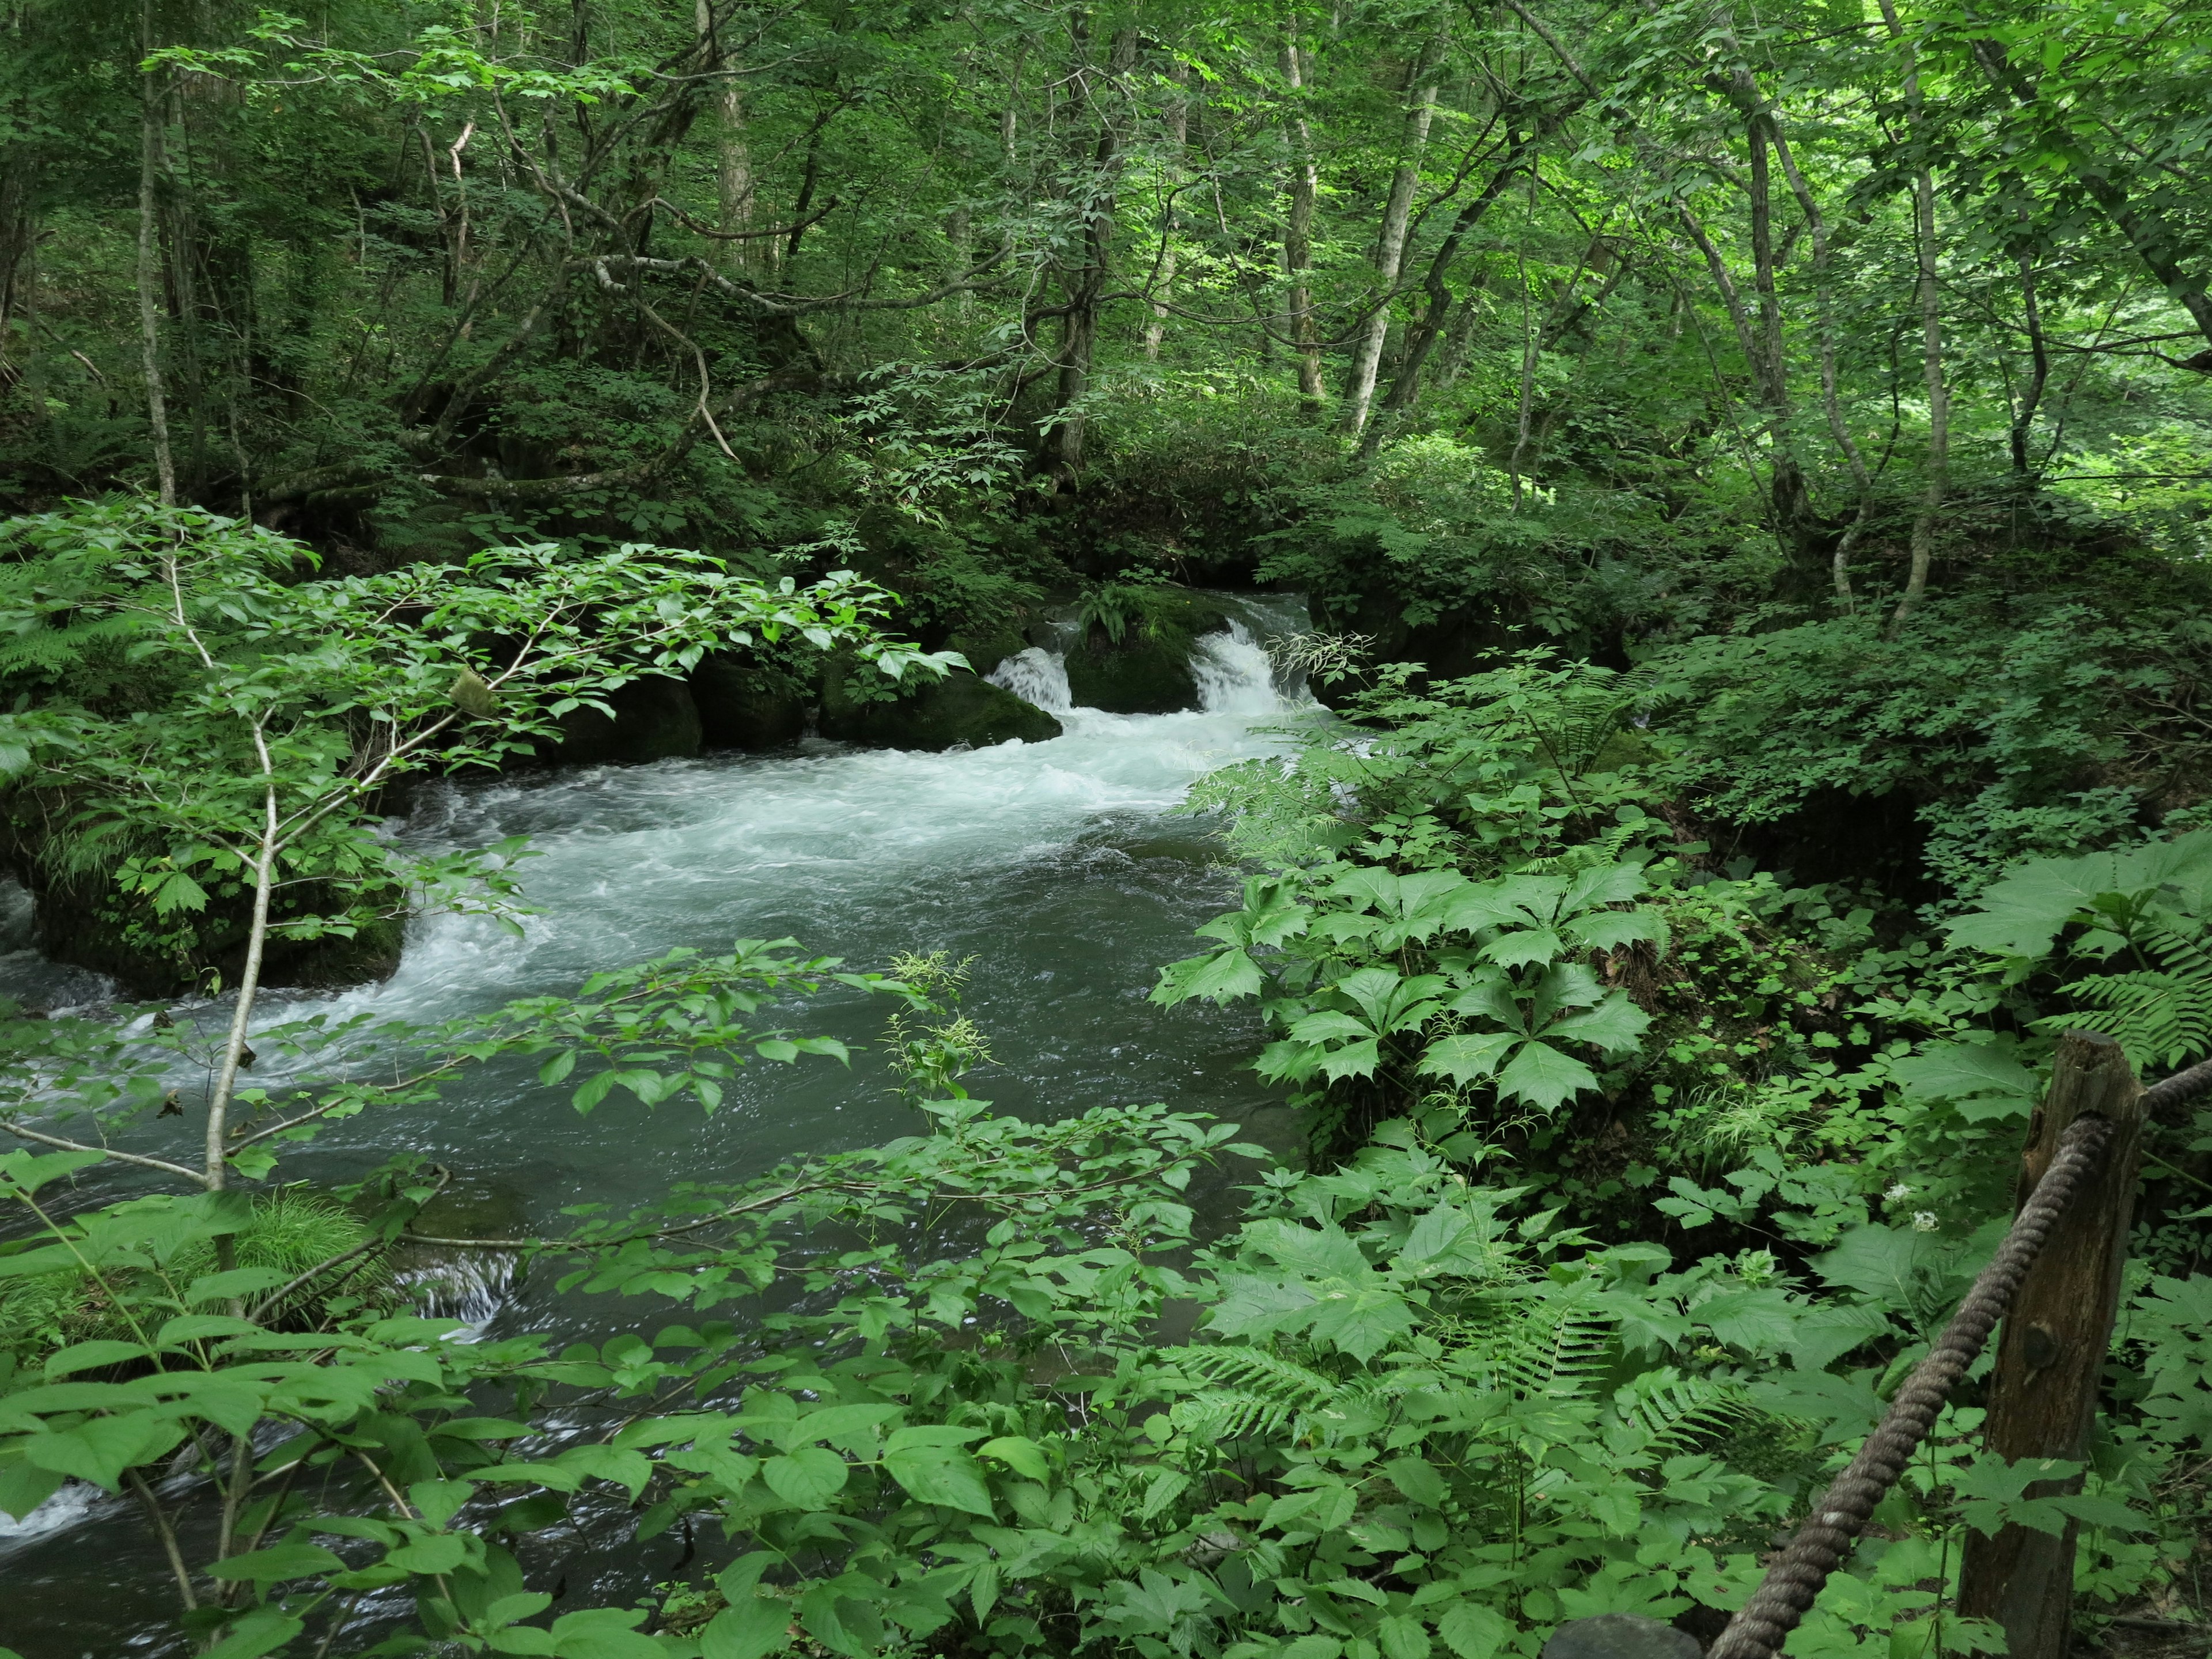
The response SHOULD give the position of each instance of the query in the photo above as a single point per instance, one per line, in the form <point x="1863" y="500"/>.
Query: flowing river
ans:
<point x="1058" y="866"/>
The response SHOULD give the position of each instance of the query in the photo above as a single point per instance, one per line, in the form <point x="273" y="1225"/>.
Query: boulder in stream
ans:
<point x="86" y="922"/>
<point x="654" y="718"/>
<point x="961" y="709"/>
<point x="740" y="708"/>
<point x="1146" y="671"/>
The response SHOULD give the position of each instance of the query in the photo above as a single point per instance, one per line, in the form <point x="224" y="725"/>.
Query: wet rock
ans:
<point x="654" y="718"/>
<point x="963" y="709"/>
<point x="740" y="708"/>
<point x="1146" y="671"/>
<point x="986" y="649"/>
<point x="87" y="924"/>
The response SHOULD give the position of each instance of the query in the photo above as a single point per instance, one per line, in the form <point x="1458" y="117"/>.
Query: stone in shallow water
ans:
<point x="1620" y="1636"/>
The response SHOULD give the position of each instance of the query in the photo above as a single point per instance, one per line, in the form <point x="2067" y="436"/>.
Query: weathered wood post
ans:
<point x="2043" y="1394"/>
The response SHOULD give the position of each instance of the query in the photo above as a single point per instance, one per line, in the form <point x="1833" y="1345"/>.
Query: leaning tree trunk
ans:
<point x="1390" y="246"/>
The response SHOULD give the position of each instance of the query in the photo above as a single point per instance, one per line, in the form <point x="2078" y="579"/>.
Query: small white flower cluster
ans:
<point x="1924" y="1221"/>
<point x="1900" y="1191"/>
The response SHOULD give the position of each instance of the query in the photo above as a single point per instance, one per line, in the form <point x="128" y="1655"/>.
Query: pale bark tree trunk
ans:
<point x="1390" y="247"/>
<point x="149" y="263"/>
<point x="1932" y="337"/>
<point x="1297" y="237"/>
<point x="734" y="166"/>
<point x="1178" y="124"/>
<point x="1422" y="336"/>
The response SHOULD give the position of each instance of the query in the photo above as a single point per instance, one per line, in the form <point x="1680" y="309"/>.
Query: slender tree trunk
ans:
<point x="1080" y="326"/>
<point x="1178" y="134"/>
<point x="1421" y="338"/>
<point x="733" y="167"/>
<point x="149" y="264"/>
<point x="2023" y="416"/>
<point x="1930" y="297"/>
<point x="1530" y="353"/>
<point x="1831" y="403"/>
<point x="1390" y="247"/>
<point x="1786" y="487"/>
<point x="1297" y="236"/>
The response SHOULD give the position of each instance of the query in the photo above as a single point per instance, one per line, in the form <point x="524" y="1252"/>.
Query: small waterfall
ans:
<point x="470" y="1286"/>
<point x="1234" y="672"/>
<point x="1036" y="676"/>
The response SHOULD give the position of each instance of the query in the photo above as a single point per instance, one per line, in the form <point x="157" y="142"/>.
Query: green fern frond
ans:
<point x="1255" y="1391"/>
<point x="2160" y="1015"/>
<point x="1678" y="1412"/>
<point x="1537" y="1348"/>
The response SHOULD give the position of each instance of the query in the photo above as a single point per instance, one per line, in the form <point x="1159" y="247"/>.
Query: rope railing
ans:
<point x="1794" y="1578"/>
<point x="2179" y="1090"/>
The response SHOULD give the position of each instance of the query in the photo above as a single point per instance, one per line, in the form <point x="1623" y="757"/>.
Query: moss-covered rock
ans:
<point x="1148" y="670"/>
<point x="654" y="718"/>
<point x="741" y="708"/>
<point x="961" y="710"/>
<point x="87" y="923"/>
<point x="986" y="649"/>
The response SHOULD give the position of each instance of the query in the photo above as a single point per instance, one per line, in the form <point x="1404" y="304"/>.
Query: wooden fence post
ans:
<point x="2043" y="1393"/>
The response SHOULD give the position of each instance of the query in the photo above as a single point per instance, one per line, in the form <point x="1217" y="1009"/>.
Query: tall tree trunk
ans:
<point x="734" y="166"/>
<point x="1786" y="487"/>
<point x="1421" y="338"/>
<point x="1839" y="561"/>
<point x="1931" y="296"/>
<point x="17" y="231"/>
<point x="1297" y="235"/>
<point x="149" y="252"/>
<point x="1390" y="246"/>
<point x="1078" y="336"/>
<point x="2023" y="414"/>
<point x="1178" y="134"/>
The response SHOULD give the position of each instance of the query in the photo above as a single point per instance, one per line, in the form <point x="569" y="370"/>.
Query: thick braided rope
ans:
<point x="1796" y="1575"/>
<point x="2179" y="1090"/>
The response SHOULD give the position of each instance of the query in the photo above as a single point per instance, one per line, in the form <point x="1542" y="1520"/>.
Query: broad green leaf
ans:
<point x="279" y="1561"/>
<point x="1221" y="978"/>
<point x="809" y="1476"/>
<point x="1543" y="1077"/>
<point x="1361" y="1322"/>
<point x="604" y="1633"/>
<point x="434" y="1552"/>
<point x="1023" y="1456"/>
<point x="1985" y="1073"/>
<point x="1615" y="1025"/>
<point x="750" y="1627"/>
<point x="1467" y="1055"/>
<point x="24" y="1485"/>
<point x="92" y="1356"/>
<point x="941" y="1474"/>
<point x="1473" y="1631"/>
<point x="258" y="1631"/>
<point x="1418" y="1478"/>
<point x="1401" y="1635"/>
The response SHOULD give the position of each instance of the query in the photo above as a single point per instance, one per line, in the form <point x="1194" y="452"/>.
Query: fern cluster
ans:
<point x="2162" y="1016"/>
